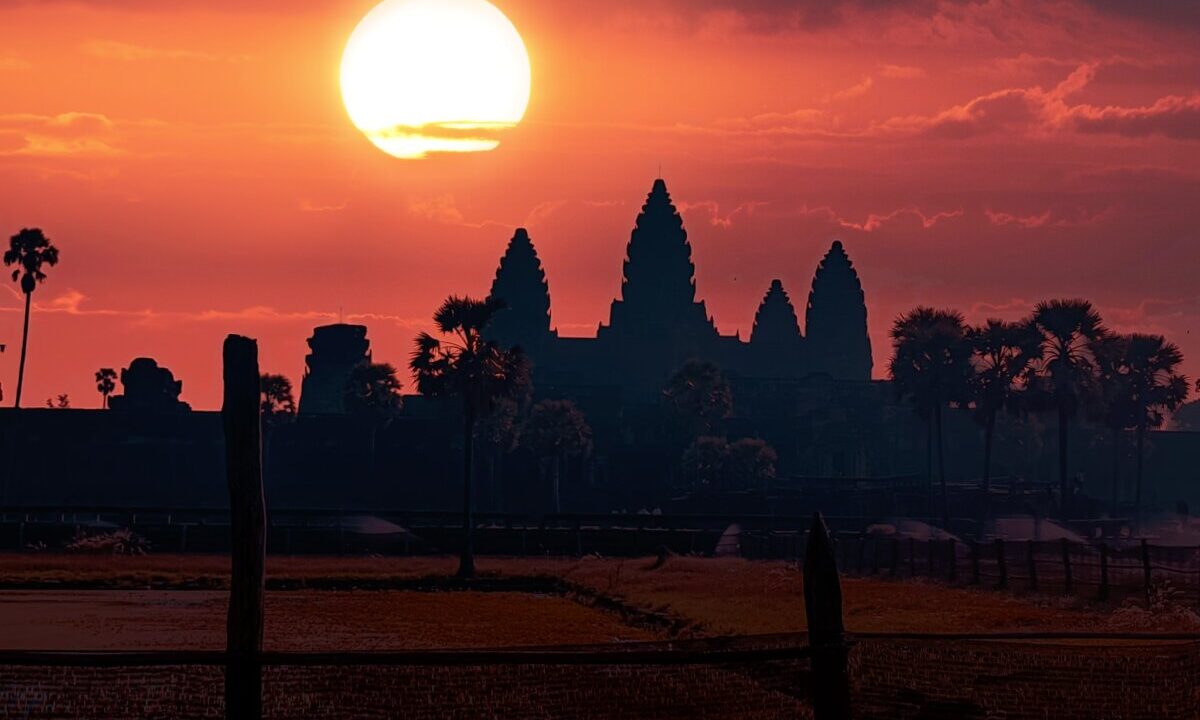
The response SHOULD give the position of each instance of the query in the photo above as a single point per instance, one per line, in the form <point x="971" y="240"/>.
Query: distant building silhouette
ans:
<point x="657" y="323"/>
<point x="336" y="351"/>
<point x="148" y="388"/>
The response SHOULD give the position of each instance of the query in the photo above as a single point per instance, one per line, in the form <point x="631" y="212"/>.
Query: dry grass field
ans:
<point x="715" y="596"/>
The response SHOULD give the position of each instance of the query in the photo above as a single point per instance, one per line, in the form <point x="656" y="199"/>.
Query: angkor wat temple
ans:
<point x="657" y="323"/>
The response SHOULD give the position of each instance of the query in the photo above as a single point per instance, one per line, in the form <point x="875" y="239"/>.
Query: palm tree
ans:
<point x="1001" y="353"/>
<point x="1110" y="403"/>
<point x="477" y="371"/>
<point x="373" y="389"/>
<point x="106" y="382"/>
<point x="30" y="251"/>
<point x="277" y="402"/>
<point x="1064" y="373"/>
<point x="930" y="368"/>
<point x="699" y="396"/>
<point x="1155" y="388"/>
<point x="556" y="430"/>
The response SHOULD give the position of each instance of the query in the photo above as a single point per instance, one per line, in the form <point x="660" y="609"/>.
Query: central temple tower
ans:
<point x="658" y="290"/>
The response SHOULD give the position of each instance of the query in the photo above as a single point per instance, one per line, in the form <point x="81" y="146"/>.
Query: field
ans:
<point x="55" y="601"/>
<point x="707" y="596"/>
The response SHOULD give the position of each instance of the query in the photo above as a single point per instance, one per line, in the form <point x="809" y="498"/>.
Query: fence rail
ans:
<point x="1102" y="569"/>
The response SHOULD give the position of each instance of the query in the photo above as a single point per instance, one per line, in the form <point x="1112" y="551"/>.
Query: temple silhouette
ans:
<point x="657" y="324"/>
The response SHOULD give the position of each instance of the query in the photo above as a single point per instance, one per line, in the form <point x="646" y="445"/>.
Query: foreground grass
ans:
<point x="717" y="596"/>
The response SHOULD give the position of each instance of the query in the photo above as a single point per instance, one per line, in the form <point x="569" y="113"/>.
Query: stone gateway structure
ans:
<point x="657" y="323"/>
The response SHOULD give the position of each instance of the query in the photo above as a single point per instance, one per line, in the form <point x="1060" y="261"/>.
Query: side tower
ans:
<point x="336" y="351"/>
<point x="521" y="283"/>
<point x="836" y="319"/>
<point x="776" y="344"/>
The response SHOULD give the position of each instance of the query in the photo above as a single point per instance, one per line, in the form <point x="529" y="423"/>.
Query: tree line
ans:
<point x="1060" y="360"/>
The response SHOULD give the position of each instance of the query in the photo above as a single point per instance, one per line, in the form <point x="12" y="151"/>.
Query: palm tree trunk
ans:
<point x="1137" y="497"/>
<point x="466" y="561"/>
<point x="989" y="431"/>
<point x="941" y="458"/>
<point x="1063" y="489"/>
<point x="1116" y="469"/>
<point x="24" y="346"/>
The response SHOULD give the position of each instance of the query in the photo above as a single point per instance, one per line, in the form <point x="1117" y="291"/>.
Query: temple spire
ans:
<point x="836" y="319"/>
<point x="521" y="283"/>
<point x="775" y="322"/>
<point x="658" y="291"/>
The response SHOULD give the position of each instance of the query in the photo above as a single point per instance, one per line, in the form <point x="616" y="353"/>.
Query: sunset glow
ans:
<point x="421" y="76"/>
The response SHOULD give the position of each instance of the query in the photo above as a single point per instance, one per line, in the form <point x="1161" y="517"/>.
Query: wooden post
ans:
<point x="930" y="547"/>
<point x="895" y="557"/>
<point x="912" y="557"/>
<point x="1001" y="565"/>
<point x="247" y="525"/>
<point x="1031" y="555"/>
<point x="974" y="562"/>
<point x="1146" y="568"/>
<point x="1103" y="594"/>
<point x="826" y="632"/>
<point x="1066" y="554"/>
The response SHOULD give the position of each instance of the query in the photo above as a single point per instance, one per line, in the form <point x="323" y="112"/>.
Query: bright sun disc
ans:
<point x="421" y="76"/>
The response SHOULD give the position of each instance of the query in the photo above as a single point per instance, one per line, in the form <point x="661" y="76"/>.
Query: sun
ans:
<point x="422" y="76"/>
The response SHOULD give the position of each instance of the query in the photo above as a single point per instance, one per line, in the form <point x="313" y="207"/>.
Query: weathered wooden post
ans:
<point x="1103" y="594"/>
<point x="826" y="632"/>
<point x="1066" y="555"/>
<point x="247" y="527"/>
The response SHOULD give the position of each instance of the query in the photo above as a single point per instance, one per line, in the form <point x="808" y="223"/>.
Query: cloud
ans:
<point x="876" y="221"/>
<point x="859" y="88"/>
<point x="71" y="133"/>
<point x="1173" y="116"/>
<point x="1042" y="112"/>
<point x="716" y="219"/>
<point x="128" y="52"/>
<point x="72" y="302"/>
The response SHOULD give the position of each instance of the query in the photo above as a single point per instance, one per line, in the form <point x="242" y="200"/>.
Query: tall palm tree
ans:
<point x="1155" y="388"/>
<point x="30" y="251"/>
<point x="477" y="371"/>
<point x="556" y="430"/>
<point x="106" y="382"/>
<point x="1001" y="353"/>
<point x="1064" y="373"/>
<point x="930" y="368"/>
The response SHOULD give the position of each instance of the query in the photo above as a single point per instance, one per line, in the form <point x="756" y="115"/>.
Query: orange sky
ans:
<point x="197" y="170"/>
